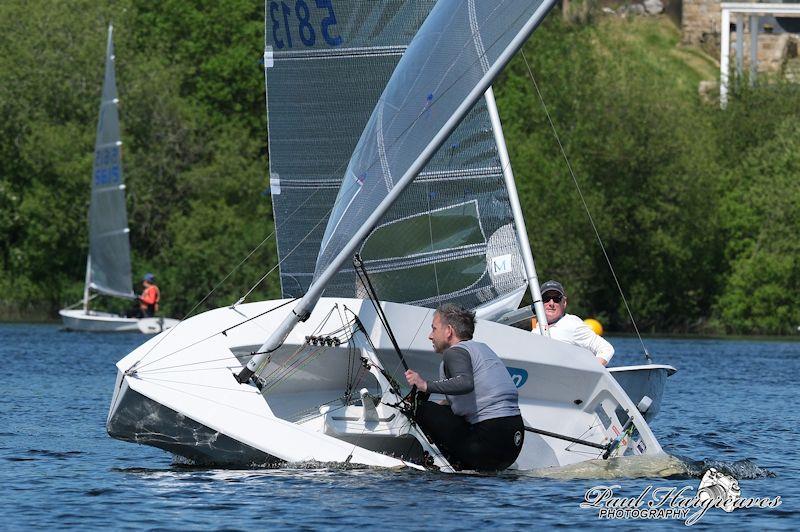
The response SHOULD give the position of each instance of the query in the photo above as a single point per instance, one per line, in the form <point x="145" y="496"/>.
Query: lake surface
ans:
<point x="729" y="406"/>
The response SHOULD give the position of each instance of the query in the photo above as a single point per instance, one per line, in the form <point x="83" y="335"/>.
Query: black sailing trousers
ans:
<point x="490" y="445"/>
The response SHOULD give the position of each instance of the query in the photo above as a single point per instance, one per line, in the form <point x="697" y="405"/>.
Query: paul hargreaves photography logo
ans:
<point x="716" y="490"/>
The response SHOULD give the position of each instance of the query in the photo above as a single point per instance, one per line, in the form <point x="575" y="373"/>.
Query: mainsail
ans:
<point x="109" y="245"/>
<point x="457" y="52"/>
<point x="450" y="237"/>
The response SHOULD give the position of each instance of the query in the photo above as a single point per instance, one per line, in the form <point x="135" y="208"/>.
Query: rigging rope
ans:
<point x="324" y="217"/>
<point x="80" y="302"/>
<point x="230" y="273"/>
<point x="290" y="369"/>
<point x="285" y="372"/>
<point x="294" y="362"/>
<point x="585" y="206"/>
<point x="274" y="231"/>
<point x="361" y="271"/>
<point x="406" y="405"/>
<point x="138" y="368"/>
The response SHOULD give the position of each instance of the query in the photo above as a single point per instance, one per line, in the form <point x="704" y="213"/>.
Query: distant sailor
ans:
<point x="151" y="296"/>
<point x="481" y="428"/>
<point x="568" y="327"/>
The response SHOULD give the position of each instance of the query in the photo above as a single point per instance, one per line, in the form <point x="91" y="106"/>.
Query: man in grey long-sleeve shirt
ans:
<point x="481" y="427"/>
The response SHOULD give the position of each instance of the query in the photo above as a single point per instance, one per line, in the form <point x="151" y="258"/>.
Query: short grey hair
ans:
<point x="461" y="320"/>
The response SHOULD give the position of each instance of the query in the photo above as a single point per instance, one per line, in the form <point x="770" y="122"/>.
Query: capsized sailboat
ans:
<point x="321" y="379"/>
<point x="108" y="265"/>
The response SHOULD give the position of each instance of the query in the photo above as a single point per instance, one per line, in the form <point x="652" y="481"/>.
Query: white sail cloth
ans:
<point x="449" y="57"/>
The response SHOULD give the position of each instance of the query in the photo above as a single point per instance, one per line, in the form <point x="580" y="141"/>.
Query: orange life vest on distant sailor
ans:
<point x="151" y="295"/>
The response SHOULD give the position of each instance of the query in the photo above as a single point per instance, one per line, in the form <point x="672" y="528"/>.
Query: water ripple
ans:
<point x="741" y="469"/>
<point x="59" y="467"/>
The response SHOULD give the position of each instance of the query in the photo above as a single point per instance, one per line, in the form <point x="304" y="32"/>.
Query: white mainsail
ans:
<point x="461" y="47"/>
<point x="109" y="261"/>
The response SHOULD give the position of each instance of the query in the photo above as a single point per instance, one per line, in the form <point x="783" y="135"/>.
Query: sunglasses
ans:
<point x="555" y="298"/>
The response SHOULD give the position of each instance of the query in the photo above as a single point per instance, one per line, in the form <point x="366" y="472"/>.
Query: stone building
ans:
<point x="777" y="40"/>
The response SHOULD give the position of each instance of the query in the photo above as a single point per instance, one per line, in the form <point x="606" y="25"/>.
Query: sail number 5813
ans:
<point x="294" y="22"/>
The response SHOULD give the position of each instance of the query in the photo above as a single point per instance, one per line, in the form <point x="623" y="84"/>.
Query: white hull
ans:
<point x="645" y="380"/>
<point x="178" y="391"/>
<point x="94" y="321"/>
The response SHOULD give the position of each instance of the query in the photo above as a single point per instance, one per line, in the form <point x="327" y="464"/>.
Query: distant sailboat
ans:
<point x="108" y="266"/>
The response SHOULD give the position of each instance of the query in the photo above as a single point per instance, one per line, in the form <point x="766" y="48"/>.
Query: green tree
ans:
<point x="761" y="218"/>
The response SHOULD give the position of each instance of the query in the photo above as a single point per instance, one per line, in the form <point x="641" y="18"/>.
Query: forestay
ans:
<point x="450" y="236"/>
<point x="109" y="245"/>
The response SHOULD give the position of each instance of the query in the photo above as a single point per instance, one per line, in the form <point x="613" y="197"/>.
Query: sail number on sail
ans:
<point x="106" y="166"/>
<point x="286" y="21"/>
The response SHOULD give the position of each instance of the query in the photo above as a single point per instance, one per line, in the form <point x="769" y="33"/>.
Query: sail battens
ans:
<point x="114" y="188"/>
<point x="111" y="292"/>
<point x="114" y="233"/>
<point x="337" y="53"/>
<point x="450" y="175"/>
<point x="300" y="184"/>
<point x="106" y="145"/>
<point x="410" y="261"/>
<point x="470" y="291"/>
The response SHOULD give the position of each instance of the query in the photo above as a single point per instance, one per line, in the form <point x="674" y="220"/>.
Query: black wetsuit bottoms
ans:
<point x="490" y="445"/>
<point x="137" y="312"/>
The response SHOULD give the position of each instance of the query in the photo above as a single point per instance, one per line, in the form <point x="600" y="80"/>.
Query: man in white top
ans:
<point x="568" y="327"/>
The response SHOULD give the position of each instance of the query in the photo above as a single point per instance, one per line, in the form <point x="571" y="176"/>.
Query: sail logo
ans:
<point x="501" y="264"/>
<point x="518" y="376"/>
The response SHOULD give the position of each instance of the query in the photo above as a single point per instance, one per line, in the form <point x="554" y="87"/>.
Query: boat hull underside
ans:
<point x="139" y="419"/>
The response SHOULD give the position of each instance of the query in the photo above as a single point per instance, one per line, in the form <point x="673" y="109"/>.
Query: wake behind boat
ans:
<point x="321" y="379"/>
<point x="108" y="265"/>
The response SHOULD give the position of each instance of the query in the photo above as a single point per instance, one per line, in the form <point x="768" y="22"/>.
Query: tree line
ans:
<point x="696" y="207"/>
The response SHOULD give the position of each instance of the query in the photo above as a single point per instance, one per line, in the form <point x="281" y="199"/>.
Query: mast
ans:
<point x="516" y="209"/>
<point x="303" y="309"/>
<point x="86" y="283"/>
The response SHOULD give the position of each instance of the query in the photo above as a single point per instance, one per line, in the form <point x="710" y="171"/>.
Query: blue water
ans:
<point x="730" y="406"/>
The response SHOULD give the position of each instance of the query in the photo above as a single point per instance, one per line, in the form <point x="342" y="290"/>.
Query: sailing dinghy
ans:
<point x="427" y="203"/>
<point x="108" y="265"/>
